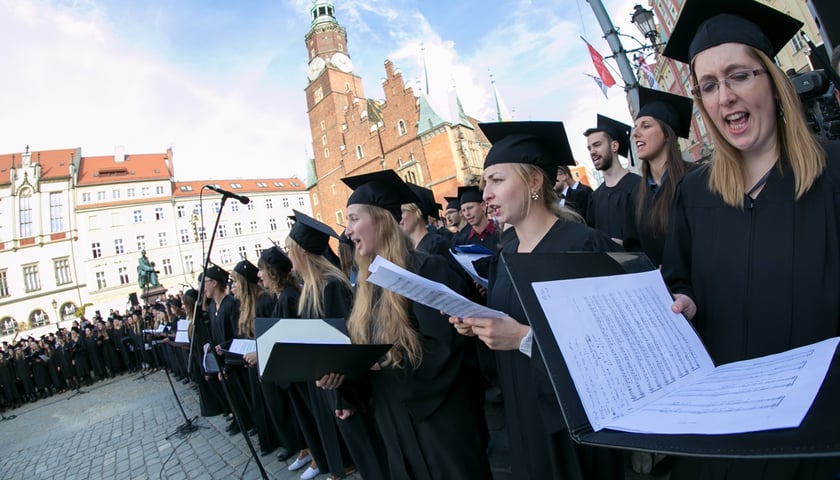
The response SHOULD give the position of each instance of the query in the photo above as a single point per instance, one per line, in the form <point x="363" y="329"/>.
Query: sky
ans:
<point x="222" y="82"/>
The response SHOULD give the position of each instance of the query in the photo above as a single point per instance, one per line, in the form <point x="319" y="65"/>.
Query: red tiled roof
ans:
<point x="135" y="167"/>
<point x="54" y="163"/>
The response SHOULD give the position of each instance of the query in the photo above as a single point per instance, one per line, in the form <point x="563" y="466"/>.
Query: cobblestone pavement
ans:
<point x="118" y="430"/>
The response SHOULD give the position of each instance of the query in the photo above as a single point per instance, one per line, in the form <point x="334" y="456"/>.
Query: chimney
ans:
<point x="119" y="154"/>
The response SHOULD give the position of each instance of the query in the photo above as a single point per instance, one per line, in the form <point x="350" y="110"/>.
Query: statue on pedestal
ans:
<point x="146" y="274"/>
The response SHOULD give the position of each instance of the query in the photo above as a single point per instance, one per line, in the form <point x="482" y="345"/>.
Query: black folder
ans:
<point x="817" y="436"/>
<point x="303" y="362"/>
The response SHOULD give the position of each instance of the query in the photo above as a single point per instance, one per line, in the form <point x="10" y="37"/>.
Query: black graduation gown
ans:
<point x="423" y="414"/>
<point x="7" y="381"/>
<point x="279" y="405"/>
<point x="460" y="237"/>
<point x="540" y="446"/>
<point x="578" y="199"/>
<point x="612" y="210"/>
<point x="40" y="375"/>
<point x="23" y="372"/>
<point x="223" y="320"/>
<point x="434" y="244"/>
<point x="211" y="399"/>
<point x="765" y="279"/>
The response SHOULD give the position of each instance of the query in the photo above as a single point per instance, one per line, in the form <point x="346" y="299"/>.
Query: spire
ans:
<point x="322" y="11"/>
<point x="425" y="69"/>
<point x="502" y="112"/>
<point x="429" y="118"/>
<point x="462" y="117"/>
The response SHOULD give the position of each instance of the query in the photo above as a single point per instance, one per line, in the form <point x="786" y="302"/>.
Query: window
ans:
<point x="162" y="239"/>
<point x="242" y="252"/>
<point x="145" y="191"/>
<point x="222" y="230"/>
<point x="332" y="188"/>
<point x="237" y="228"/>
<point x="278" y="184"/>
<point x="251" y="206"/>
<point x="188" y="263"/>
<point x="272" y="224"/>
<point x="141" y="242"/>
<point x="234" y="207"/>
<point x="235" y="186"/>
<point x="315" y="199"/>
<point x="326" y="153"/>
<point x="323" y="125"/>
<point x="138" y="216"/>
<point x="202" y="233"/>
<point x="216" y="207"/>
<point x="411" y="177"/>
<point x="159" y="190"/>
<point x="100" y="280"/>
<point x="25" y="210"/>
<point x="96" y="249"/>
<point x="286" y="202"/>
<point x="253" y="226"/>
<point x="301" y="202"/>
<point x="100" y="196"/>
<point x="167" y="266"/>
<point x="123" y="273"/>
<point x="4" y="283"/>
<point x="31" y="278"/>
<point x="158" y="213"/>
<point x="289" y="223"/>
<point x="401" y="128"/>
<point x="359" y="153"/>
<point x="85" y="197"/>
<point x="115" y="194"/>
<point x="186" y="188"/>
<point x="181" y="211"/>
<point x="119" y="248"/>
<point x="225" y="255"/>
<point x="319" y="95"/>
<point x="56" y="212"/>
<point x="339" y="217"/>
<point x="130" y="193"/>
<point x="184" y="235"/>
<point x="269" y="203"/>
<point x="258" y="249"/>
<point x="262" y="185"/>
<point x="62" y="271"/>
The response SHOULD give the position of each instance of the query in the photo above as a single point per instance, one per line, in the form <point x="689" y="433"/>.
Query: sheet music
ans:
<point x="182" y="331"/>
<point x="209" y="362"/>
<point x="242" y="346"/>
<point x="424" y="291"/>
<point x="627" y="352"/>
<point x="466" y="259"/>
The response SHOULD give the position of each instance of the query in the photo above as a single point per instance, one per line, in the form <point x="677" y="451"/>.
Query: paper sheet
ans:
<point x="241" y="346"/>
<point x="465" y="258"/>
<point x="627" y="352"/>
<point x="424" y="291"/>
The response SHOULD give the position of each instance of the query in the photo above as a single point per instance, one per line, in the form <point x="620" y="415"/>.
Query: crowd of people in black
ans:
<point x="92" y="350"/>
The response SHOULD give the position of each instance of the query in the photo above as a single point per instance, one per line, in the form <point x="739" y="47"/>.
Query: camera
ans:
<point x="821" y="109"/>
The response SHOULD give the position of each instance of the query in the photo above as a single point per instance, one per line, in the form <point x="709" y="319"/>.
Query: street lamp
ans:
<point x="642" y="18"/>
<point x="55" y="309"/>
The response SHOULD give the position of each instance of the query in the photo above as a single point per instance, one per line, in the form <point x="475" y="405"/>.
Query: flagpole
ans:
<point x="631" y="83"/>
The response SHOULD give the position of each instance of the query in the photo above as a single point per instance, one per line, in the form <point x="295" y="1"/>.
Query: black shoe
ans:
<point x="252" y="432"/>
<point x="284" y="454"/>
<point x="233" y="428"/>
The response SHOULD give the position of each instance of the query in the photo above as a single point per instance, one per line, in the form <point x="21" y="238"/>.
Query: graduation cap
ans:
<point x="312" y="235"/>
<point x="248" y="271"/>
<point x="427" y="204"/>
<point x="191" y="293"/>
<point x="452" y="203"/>
<point x="704" y="24"/>
<point x="674" y="110"/>
<point x="469" y="194"/>
<point x="217" y="273"/>
<point x="543" y="144"/>
<point x="384" y="189"/>
<point x="620" y="132"/>
<point x="276" y="258"/>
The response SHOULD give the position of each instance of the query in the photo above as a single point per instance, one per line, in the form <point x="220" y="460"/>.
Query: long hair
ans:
<point x="547" y="196"/>
<point x="796" y="142"/>
<point x="247" y="293"/>
<point x="379" y="315"/>
<point x="346" y="254"/>
<point x="315" y="271"/>
<point x="675" y="166"/>
<point x="276" y="280"/>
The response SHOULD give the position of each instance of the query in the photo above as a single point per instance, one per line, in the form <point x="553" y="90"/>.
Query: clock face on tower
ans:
<point x="316" y="66"/>
<point x="342" y="61"/>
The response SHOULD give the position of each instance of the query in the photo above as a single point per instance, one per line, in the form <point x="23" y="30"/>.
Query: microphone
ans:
<point x="242" y="198"/>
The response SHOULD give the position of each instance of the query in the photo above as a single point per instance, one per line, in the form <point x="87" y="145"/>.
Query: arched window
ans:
<point x="67" y="311"/>
<point x="359" y="153"/>
<point x="411" y="177"/>
<point x="8" y="326"/>
<point x="25" y="213"/>
<point x="401" y="128"/>
<point x="38" y="318"/>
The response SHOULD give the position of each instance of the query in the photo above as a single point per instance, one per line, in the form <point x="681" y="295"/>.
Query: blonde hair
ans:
<point x="379" y="315"/>
<point x="797" y="144"/>
<point x="548" y="197"/>
<point x="315" y="270"/>
<point x="247" y="293"/>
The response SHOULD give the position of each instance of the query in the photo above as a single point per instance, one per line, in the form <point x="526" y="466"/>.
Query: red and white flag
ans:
<point x="606" y="77"/>
<point x="645" y="68"/>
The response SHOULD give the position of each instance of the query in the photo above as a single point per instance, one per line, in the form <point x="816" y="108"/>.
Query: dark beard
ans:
<point x="606" y="162"/>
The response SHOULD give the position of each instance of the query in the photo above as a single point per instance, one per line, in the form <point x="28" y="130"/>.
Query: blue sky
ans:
<point x="222" y="82"/>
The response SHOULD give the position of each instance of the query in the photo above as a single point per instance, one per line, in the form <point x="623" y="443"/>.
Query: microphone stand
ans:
<point x="212" y="350"/>
<point x="188" y="426"/>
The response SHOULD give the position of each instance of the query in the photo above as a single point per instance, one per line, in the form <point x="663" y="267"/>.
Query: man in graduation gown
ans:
<point x="483" y="230"/>
<point x="573" y="194"/>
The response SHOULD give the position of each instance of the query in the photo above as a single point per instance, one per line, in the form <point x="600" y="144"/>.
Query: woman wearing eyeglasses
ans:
<point x="753" y="248"/>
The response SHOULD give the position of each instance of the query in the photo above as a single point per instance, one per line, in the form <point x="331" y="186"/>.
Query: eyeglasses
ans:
<point x="736" y="81"/>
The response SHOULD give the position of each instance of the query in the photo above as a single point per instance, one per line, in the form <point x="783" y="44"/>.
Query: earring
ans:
<point x="535" y="196"/>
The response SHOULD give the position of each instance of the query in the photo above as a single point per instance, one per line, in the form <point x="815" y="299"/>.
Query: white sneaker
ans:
<point x="300" y="462"/>
<point x="310" y="473"/>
